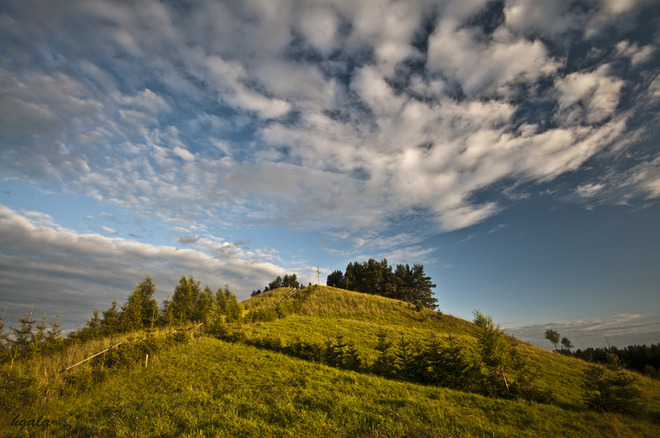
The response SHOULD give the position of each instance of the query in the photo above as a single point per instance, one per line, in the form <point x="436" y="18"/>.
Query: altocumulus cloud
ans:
<point x="357" y="110"/>
<point x="341" y="115"/>
<point x="70" y="273"/>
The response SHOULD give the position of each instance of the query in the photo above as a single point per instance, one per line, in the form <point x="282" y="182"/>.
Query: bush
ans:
<point x="17" y="391"/>
<point x="612" y="390"/>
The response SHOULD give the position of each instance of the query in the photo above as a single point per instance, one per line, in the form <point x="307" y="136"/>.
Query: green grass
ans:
<point x="213" y="388"/>
<point x="209" y="387"/>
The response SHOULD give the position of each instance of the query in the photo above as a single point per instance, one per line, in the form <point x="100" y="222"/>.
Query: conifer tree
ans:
<point x="54" y="336"/>
<point x="39" y="338"/>
<point x="23" y="336"/>
<point x="184" y="300"/>
<point x="4" y="338"/>
<point x="233" y="309"/>
<point x="384" y="364"/>
<point x="141" y="307"/>
<point x="110" y="324"/>
<point x="494" y="351"/>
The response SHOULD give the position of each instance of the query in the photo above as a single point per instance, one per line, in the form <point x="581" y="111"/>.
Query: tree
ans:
<point x="23" y="336"/>
<point x="184" y="300"/>
<point x="141" y="308"/>
<point x="275" y="283"/>
<point x="494" y="351"/>
<point x="553" y="337"/>
<point x="335" y="279"/>
<point x="566" y="343"/>
<point x="384" y="364"/>
<point x="110" y="323"/>
<point x="611" y="389"/>
<point x="4" y="338"/>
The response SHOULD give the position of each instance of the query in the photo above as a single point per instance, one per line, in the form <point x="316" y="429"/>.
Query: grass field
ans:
<point x="200" y="386"/>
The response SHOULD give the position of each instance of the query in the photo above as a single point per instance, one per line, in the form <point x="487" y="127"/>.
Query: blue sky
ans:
<point x="509" y="146"/>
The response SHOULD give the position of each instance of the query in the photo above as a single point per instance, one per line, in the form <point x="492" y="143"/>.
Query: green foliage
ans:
<point x="552" y="336"/>
<point x="210" y="387"/>
<point x="384" y="363"/>
<point x="612" y="389"/>
<point x="17" y="390"/>
<point x="141" y="308"/>
<point x="407" y="284"/>
<point x="111" y="323"/>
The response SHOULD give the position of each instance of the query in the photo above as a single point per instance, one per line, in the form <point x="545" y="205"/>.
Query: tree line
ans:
<point x="286" y="281"/>
<point x="190" y="302"/>
<point x="644" y="359"/>
<point x="405" y="283"/>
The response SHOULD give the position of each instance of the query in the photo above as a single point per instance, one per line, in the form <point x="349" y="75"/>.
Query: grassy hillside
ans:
<point x="198" y="385"/>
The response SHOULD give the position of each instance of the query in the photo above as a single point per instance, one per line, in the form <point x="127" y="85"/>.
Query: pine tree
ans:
<point x="184" y="300"/>
<point x="233" y="309"/>
<point x="110" y="324"/>
<point x="4" y="338"/>
<point x="23" y="336"/>
<point x="384" y="364"/>
<point x="39" y="338"/>
<point x="141" y="307"/>
<point x="495" y="353"/>
<point x="54" y="337"/>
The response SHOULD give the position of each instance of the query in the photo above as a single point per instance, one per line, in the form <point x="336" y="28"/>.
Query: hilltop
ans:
<point x="309" y="362"/>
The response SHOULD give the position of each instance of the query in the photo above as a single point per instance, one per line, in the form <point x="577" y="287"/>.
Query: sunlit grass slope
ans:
<point x="206" y="387"/>
<point x="213" y="388"/>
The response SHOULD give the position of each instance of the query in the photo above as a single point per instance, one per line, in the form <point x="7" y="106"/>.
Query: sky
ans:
<point x="511" y="147"/>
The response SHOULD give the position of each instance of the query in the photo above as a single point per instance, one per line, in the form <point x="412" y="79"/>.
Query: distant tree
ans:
<point x="111" y="323"/>
<point x="92" y="329"/>
<point x="335" y="279"/>
<point x="553" y="337"/>
<point x="203" y="304"/>
<point x="54" y="337"/>
<point x="23" y="336"/>
<point x="290" y="281"/>
<point x="277" y="283"/>
<point x="566" y="343"/>
<point x="229" y="302"/>
<point x="141" y="308"/>
<point x="184" y="300"/>
<point x="409" y="284"/>
<point x="4" y="338"/>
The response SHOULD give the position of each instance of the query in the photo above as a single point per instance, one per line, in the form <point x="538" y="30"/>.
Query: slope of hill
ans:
<point x="203" y="386"/>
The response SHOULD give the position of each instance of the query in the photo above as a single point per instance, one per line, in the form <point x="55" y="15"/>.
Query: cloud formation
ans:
<point x="287" y="111"/>
<point x="619" y="330"/>
<point x="72" y="274"/>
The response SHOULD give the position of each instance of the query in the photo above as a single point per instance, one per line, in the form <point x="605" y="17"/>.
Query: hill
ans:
<point x="258" y="379"/>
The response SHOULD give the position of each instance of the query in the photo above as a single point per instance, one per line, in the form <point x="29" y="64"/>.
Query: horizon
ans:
<point x="508" y="146"/>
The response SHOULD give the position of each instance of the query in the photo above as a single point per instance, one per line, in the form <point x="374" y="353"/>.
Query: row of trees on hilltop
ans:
<point x="405" y="283"/>
<point x="286" y="281"/>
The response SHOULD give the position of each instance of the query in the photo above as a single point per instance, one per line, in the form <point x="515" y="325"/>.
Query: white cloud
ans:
<point x="486" y="65"/>
<point x="588" y="97"/>
<point x="75" y="273"/>
<point x="619" y="330"/>
<point x="638" y="55"/>
<point x="589" y="190"/>
<point x="110" y="231"/>
<point x="353" y="139"/>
